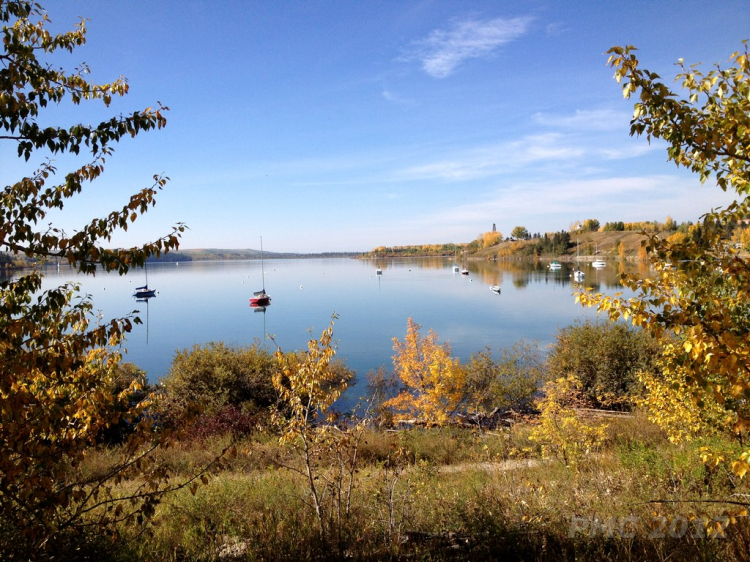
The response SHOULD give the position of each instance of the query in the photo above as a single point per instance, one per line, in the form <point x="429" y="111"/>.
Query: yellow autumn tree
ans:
<point x="308" y="384"/>
<point x="491" y="238"/>
<point x="702" y="307"/>
<point x="682" y="410"/>
<point x="432" y="383"/>
<point x="741" y="237"/>
<point x="562" y="433"/>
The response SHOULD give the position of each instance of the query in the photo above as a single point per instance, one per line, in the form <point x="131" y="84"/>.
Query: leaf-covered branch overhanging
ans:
<point x="711" y="139"/>
<point x="60" y="365"/>
<point x="698" y="304"/>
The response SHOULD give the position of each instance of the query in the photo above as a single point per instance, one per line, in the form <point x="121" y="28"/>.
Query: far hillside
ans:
<point x="591" y="240"/>
<point x="588" y="239"/>
<point x="238" y="254"/>
<point x="591" y="246"/>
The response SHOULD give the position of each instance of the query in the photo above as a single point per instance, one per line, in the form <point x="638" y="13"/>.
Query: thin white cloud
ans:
<point x="445" y="49"/>
<point x="496" y="159"/>
<point x="586" y="120"/>
<point x="556" y="28"/>
<point x="583" y="142"/>
<point x="605" y="199"/>
<point x="396" y="99"/>
<point x="630" y="151"/>
<point x="550" y="206"/>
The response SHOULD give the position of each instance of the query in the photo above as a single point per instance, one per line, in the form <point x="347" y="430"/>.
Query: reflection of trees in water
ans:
<point x="524" y="273"/>
<point x="430" y="262"/>
<point x="490" y="276"/>
<point x="521" y="272"/>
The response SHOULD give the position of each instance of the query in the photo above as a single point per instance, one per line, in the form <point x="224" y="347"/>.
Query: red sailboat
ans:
<point x="261" y="298"/>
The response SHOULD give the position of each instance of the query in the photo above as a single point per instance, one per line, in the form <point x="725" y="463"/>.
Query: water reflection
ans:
<point x="372" y="309"/>
<point x="524" y="273"/>
<point x="145" y="299"/>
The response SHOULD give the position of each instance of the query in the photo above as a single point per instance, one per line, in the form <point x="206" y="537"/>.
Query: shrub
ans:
<point x="217" y="375"/>
<point x="604" y="357"/>
<point x="229" y="420"/>
<point x="561" y="432"/>
<point x="509" y="382"/>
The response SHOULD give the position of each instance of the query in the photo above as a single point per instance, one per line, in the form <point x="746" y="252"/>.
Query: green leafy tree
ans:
<point x="704" y="303"/>
<point x="60" y="385"/>
<point x="508" y="382"/>
<point x="605" y="358"/>
<point x="218" y="375"/>
<point x="520" y="233"/>
<point x="590" y="225"/>
<point x="617" y="226"/>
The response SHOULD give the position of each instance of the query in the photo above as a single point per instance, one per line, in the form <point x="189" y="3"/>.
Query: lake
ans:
<point x="202" y="301"/>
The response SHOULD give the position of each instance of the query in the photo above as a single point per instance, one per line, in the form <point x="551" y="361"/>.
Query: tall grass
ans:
<point x="452" y="493"/>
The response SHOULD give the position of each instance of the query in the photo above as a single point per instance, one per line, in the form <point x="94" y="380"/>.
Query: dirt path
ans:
<point x="513" y="464"/>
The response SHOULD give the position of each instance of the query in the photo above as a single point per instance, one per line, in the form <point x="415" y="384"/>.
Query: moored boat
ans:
<point x="598" y="263"/>
<point x="578" y="274"/>
<point x="261" y="298"/>
<point x="144" y="292"/>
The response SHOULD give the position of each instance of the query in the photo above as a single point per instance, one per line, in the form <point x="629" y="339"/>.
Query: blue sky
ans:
<point x="342" y="126"/>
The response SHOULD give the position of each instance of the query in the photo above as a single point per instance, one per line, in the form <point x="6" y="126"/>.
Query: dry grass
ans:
<point x="458" y="494"/>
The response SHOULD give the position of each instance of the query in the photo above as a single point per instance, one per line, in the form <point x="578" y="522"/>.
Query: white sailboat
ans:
<point x="598" y="264"/>
<point x="578" y="274"/>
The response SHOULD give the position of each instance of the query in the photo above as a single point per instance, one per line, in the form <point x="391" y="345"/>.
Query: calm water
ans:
<point x="199" y="302"/>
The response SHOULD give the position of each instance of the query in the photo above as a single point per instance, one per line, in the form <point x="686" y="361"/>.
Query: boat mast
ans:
<point x="262" y="270"/>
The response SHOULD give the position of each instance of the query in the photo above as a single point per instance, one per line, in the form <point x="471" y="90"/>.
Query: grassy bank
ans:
<point x="451" y="493"/>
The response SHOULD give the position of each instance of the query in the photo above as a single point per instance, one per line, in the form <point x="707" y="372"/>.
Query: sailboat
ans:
<point x="261" y="298"/>
<point x="598" y="263"/>
<point x="578" y="275"/>
<point x="144" y="292"/>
